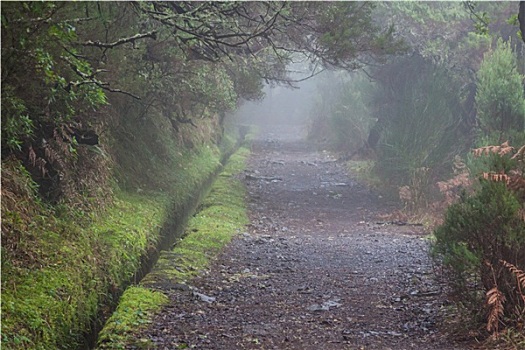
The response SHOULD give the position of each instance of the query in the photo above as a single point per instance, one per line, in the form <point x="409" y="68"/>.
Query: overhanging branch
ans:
<point x="131" y="39"/>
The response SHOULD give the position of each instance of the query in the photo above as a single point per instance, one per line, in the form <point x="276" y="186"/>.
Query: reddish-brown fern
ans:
<point x="495" y="301"/>
<point x="502" y="150"/>
<point x="520" y="276"/>
<point x="461" y="180"/>
<point x="515" y="178"/>
<point x="520" y="154"/>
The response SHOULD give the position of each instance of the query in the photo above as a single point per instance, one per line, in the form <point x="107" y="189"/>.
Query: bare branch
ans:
<point x="131" y="39"/>
<point x="291" y="81"/>
<point x="107" y="88"/>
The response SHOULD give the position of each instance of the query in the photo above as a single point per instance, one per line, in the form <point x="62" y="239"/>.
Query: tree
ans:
<point x="61" y="62"/>
<point x="420" y="119"/>
<point x="500" y="98"/>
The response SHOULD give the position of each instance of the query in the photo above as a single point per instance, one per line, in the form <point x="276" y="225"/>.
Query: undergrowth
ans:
<point x="51" y="302"/>
<point x="134" y="311"/>
<point x="61" y="271"/>
<point x="363" y="172"/>
<point x="220" y="216"/>
<point x="482" y="244"/>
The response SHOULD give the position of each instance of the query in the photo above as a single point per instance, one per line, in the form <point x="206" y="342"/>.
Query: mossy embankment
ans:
<point x="220" y="216"/>
<point x="64" y="268"/>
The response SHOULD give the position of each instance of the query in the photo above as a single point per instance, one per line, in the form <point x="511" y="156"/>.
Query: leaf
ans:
<point x="495" y="301"/>
<point x="520" y="274"/>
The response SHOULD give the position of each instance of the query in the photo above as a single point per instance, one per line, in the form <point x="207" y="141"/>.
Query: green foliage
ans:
<point x="420" y="112"/>
<point x="151" y="159"/>
<point x="488" y="216"/>
<point x="346" y="30"/>
<point x="430" y="28"/>
<point x="133" y="313"/>
<point x="342" y="107"/>
<point x="481" y="19"/>
<point x="363" y="170"/>
<point x="59" y="271"/>
<point x="500" y="98"/>
<point x="222" y="214"/>
<point x="451" y="33"/>
<point x="46" y="97"/>
<point x="246" y="79"/>
<point x="479" y="232"/>
<point x="16" y="124"/>
<point x="492" y="162"/>
<point x="48" y="68"/>
<point x="351" y="118"/>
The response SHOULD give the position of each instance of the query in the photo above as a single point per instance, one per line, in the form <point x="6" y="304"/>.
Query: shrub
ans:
<point x="499" y="98"/>
<point x="341" y="112"/>
<point x="482" y="241"/>
<point x="420" y="117"/>
<point x="351" y="119"/>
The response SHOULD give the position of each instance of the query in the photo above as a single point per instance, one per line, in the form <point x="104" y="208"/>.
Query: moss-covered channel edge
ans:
<point x="220" y="216"/>
<point x="78" y="263"/>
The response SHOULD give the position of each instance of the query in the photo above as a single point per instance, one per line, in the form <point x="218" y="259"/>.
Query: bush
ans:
<point x="341" y="113"/>
<point x="499" y="98"/>
<point x="350" y="120"/>
<point x="482" y="243"/>
<point x="420" y="118"/>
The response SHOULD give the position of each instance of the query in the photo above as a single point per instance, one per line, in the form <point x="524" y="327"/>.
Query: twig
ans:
<point x="131" y="39"/>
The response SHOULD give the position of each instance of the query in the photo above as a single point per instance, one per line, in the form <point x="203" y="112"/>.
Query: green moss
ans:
<point x="134" y="312"/>
<point x="222" y="215"/>
<point x="127" y="231"/>
<point x="49" y="300"/>
<point x="51" y="305"/>
<point x="64" y="271"/>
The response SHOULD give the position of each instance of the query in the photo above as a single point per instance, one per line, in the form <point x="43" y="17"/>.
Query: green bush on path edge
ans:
<point x="221" y="215"/>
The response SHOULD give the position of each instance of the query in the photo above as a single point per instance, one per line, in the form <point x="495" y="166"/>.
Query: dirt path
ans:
<point x="313" y="271"/>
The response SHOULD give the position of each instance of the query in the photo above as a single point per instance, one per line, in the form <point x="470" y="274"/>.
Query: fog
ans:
<point x="284" y="112"/>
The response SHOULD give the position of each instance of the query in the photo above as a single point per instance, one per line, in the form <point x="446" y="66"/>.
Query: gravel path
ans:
<point x="316" y="269"/>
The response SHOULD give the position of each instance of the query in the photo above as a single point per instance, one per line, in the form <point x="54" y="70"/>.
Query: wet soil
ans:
<point x="317" y="268"/>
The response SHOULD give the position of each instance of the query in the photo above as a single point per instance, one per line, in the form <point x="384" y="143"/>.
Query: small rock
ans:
<point x="318" y="308"/>
<point x="203" y="297"/>
<point x="394" y="334"/>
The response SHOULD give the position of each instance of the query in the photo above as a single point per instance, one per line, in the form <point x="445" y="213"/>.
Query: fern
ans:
<point x="501" y="150"/>
<point x="520" y="276"/>
<point x="513" y="178"/>
<point x="489" y="224"/>
<point x="520" y="154"/>
<point x="496" y="177"/>
<point x="495" y="301"/>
